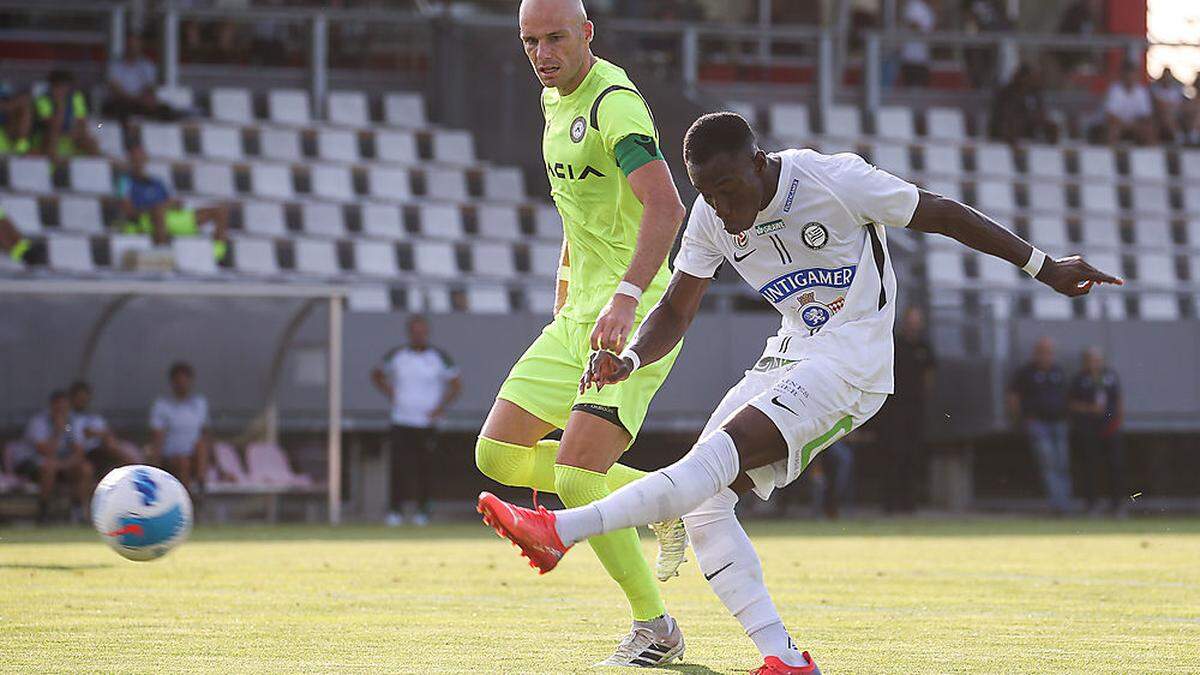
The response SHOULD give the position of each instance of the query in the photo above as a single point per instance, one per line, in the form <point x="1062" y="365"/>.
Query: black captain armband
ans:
<point x="635" y="151"/>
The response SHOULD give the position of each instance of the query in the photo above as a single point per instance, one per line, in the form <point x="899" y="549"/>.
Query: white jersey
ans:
<point x="818" y="254"/>
<point x="419" y="378"/>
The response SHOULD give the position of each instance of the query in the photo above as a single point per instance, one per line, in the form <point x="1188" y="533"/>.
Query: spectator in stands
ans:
<point x="1038" y="400"/>
<point x="15" y="248"/>
<point x="16" y="120"/>
<point x="102" y="446"/>
<point x="149" y="208"/>
<point x="1128" y="112"/>
<point x="1173" y="111"/>
<point x="55" y="454"/>
<point x="1018" y="111"/>
<point x="61" y="118"/>
<point x="1081" y="17"/>
<point x="902" y="420"/>
<point x="421" y="382"/>
<point x="983" y="16"/>
<point x="179" y="423"/>
<point x="1097" y="410"/>
<point x="132" y="83"/>
<point x="919" y="17"/>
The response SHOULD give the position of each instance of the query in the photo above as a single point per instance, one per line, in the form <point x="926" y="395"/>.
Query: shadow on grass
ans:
<point x="54" y="568"/>
<point x="690" y="668"/>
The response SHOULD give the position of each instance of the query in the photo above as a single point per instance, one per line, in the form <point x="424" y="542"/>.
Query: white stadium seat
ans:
<point x="995" y="196"/>
<point x="1189" y="164"/>
<point x="339" y="145"/>
<point x="943" y="160"/>
<point x="493" y="259"/>
<point x="384" y="221"/>
<point x="842" y="121"/>
<point x="487" y="300"/>
<point x="1158" y="307"/>
<point x="322" y="219"/>
<point x="369" y="299"/>
<point x="1049" y="233"/>
<point x="1104" y="232"/>
<point x="29" y="174"/>
<point x="497" y="221"/>
<point x="435" y="259"/>
<point x="396" y="146"/>
<point x="231" y="105"/>
<point x="1045" y="161"/>
<point x="121" y="246"/>
<point x="1191" y="199"/>
<point x="547" y="224"/>
<point x="453" y="146"/>
<point x="1047" y="196"/>
<point x="404" y="109"/>
<point x="194" y="255"/>
<point x="894" y="122"/>
<point x="23" y="211"/>
<point x="789" y="122"/>
<point x="994" y="159"/>
<point x="1097" y="162"/>
<point x="331" y="181"/>
<point x="80" y="214"/>
<point x="389" y="183"/>
<point x="747" y="110"/>
<point x="948" y="188"/>
<point x="180" y="98"/>
<point x="1051" y="307"/>
<point x="1192" y="229"/>
<point x="945" y="124"/>
<point x="255" y="256"/>
<point x="316" y="256"/>
<point x="289" y="106"/>
<point x="263" y="218"/>
<point x="1148" y="164"/>
<point x="432" y="298"/>
<point x="996" y="272"/>
<point x="163" y="172"/>
<point x="91" y="174"/>
<point x="162" y="140"/>
<point x="348" y="108"/>
<point x="70" y="253"/>
<point x="1153" y="232"/>
<point x="279" y="144"/>
<point x="272" y="180"/>
<point x="221" y="142"/>
<point x="375" y="258"/>
<point x="110" y="138"/>
<point x="445" y="183"/>
<point x="1151" y="200"/>
<point x="1156" y="269"/>
<point x="213" y="179"/>
<point x="1109" y="306"/>
<point x="891" y="158"/>
<point x="543" y="259"/>
<point x="441" y="221"/>
<point x="1098" y="197"/>
<point x="945" y="267"/>
<point x="503" y="184"/>
<point x="539" y="299"/>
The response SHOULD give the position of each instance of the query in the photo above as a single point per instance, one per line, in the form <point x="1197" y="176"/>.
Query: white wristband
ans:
<point x="626" y="288"/>
<point x="1036" y="259"/>
<point x="632" y="356"/>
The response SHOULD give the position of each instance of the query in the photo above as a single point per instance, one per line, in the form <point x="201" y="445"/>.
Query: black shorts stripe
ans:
<point x="877" y="250"/>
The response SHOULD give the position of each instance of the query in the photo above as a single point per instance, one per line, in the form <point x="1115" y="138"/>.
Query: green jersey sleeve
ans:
<point x="618" y="113"/>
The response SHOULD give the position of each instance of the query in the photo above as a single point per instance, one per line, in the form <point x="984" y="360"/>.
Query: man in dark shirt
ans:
<point x="902" y="419"/>
<point x="1096" y="412"/>
<point x="1038" y="400"/>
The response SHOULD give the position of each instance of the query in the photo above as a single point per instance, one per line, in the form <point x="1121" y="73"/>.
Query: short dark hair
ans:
<point x="78" y="386"/>
<point x="415" y="319"/>
<point x="717" y="133"/>
<point x="180" y="368"/>
<point x="60" y="76"/>
<point x="56" y="395"/>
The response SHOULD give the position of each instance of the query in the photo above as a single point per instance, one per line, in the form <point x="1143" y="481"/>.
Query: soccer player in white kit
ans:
<point x="808" y="232"/>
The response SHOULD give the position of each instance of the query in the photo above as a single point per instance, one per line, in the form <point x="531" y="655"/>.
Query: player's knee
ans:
<point x="716" y="508"/>
<point x="495" y="460"/>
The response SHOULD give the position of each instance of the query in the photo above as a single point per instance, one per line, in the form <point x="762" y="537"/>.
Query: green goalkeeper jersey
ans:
<point x="594" y="137"/>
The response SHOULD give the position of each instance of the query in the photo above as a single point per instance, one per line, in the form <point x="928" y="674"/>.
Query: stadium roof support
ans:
<point x="123" y="291"/>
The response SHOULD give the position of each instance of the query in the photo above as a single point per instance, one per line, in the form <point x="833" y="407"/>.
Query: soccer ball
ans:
<point x="141" y="512"/>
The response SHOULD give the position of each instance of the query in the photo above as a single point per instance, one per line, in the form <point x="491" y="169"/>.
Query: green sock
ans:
<point x="620" y="552"/>
<point x="521" y="466"/>
<point x="20" y="249"/>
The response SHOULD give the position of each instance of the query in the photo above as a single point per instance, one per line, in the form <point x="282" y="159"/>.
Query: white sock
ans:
<point x="665" y="494"/>
<point x="731" y="565"/>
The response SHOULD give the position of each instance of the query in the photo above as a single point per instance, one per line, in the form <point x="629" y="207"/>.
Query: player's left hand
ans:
<point x="1073" y="276"/>
<point x="614" y="324"/>
<point x="605" y="368"/>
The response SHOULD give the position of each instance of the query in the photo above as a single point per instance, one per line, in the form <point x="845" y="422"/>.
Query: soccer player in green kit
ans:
<point x="620" y="213"/>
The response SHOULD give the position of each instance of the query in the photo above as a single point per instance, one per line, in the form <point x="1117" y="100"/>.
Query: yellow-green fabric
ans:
<point x="533" y="467"/>
<point x="600" y="213"/>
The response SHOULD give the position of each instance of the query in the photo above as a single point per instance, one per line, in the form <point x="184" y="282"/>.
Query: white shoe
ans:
<point x="672" y="547"/>
<point x="420" y="520"/>
<point x="643" y="649"/>
<point x="394" y="519"/>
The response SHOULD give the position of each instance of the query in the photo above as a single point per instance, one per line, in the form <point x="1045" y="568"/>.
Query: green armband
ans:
<point x="636" y="150"/>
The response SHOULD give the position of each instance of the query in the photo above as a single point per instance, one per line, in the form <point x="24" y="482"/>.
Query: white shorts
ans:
<point x="810" y="404"/>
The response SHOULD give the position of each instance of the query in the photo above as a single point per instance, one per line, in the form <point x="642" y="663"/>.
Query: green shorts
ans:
<point x="545" y="380"/>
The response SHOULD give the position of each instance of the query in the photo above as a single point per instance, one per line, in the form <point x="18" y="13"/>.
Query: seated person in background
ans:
<point x="132" y="80"/>
<point x="61" y="119"/>
<point x="102" y="446"/>
<point x="16" y="120"/>
<point x="149" y="208"/>
<point x="1127" y="109"/>
<point x="1172" y="109"/>
<point x="55" y="453"/>
<point x="15" y="248"/>
<point x="179" y="424"/>
<point x="1018" y="112"/>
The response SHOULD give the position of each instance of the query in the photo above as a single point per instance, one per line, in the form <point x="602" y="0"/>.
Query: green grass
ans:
<point x="980" y="596"/>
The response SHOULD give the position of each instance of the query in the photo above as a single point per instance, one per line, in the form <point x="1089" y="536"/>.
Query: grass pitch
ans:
<point x="981" y="596"/>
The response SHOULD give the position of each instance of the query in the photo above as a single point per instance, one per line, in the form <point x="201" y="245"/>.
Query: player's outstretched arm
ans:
<point x="662" y="214"/>
<point x="659" y="333"/>
<point x="1070" y="276"/>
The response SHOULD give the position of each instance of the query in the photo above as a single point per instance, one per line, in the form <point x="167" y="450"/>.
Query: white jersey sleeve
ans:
<point x="869" y="193"/>
<point x="698" y="254"/>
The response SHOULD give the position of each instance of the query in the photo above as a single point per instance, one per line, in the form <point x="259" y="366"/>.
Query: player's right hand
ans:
<point x="605" y="367"/>
<point x="1073" y="276"/>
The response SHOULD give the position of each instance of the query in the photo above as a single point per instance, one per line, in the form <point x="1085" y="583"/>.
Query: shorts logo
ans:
<point x="741" y="239"/>
<point x="783" y="287"/>
<point x="815" y="235"/>
<point x="769" y="227"/>
<point x="787" y="205"/>
<point x="578" y="129"/>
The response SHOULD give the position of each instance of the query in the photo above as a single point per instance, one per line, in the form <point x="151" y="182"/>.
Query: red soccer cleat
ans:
<point x="773" y="666"/>
<point x="531" y="531"/>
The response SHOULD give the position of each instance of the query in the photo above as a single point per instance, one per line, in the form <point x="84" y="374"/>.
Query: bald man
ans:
<point x="620" y="214"/>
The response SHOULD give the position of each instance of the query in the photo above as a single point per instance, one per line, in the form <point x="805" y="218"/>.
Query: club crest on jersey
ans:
<point x="815" y="235"/>
<point x="578" y="129"/>
<point x="769" y="227"/>
<point x="781" y="288"/>
<point x="816" y="314"/>
<point x="741" y="239"/>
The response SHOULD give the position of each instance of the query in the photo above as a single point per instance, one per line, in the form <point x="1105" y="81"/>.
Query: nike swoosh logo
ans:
<point x="709" y="577"/>
<point x="776" y="402"/>
<point x="740" y="258"/>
